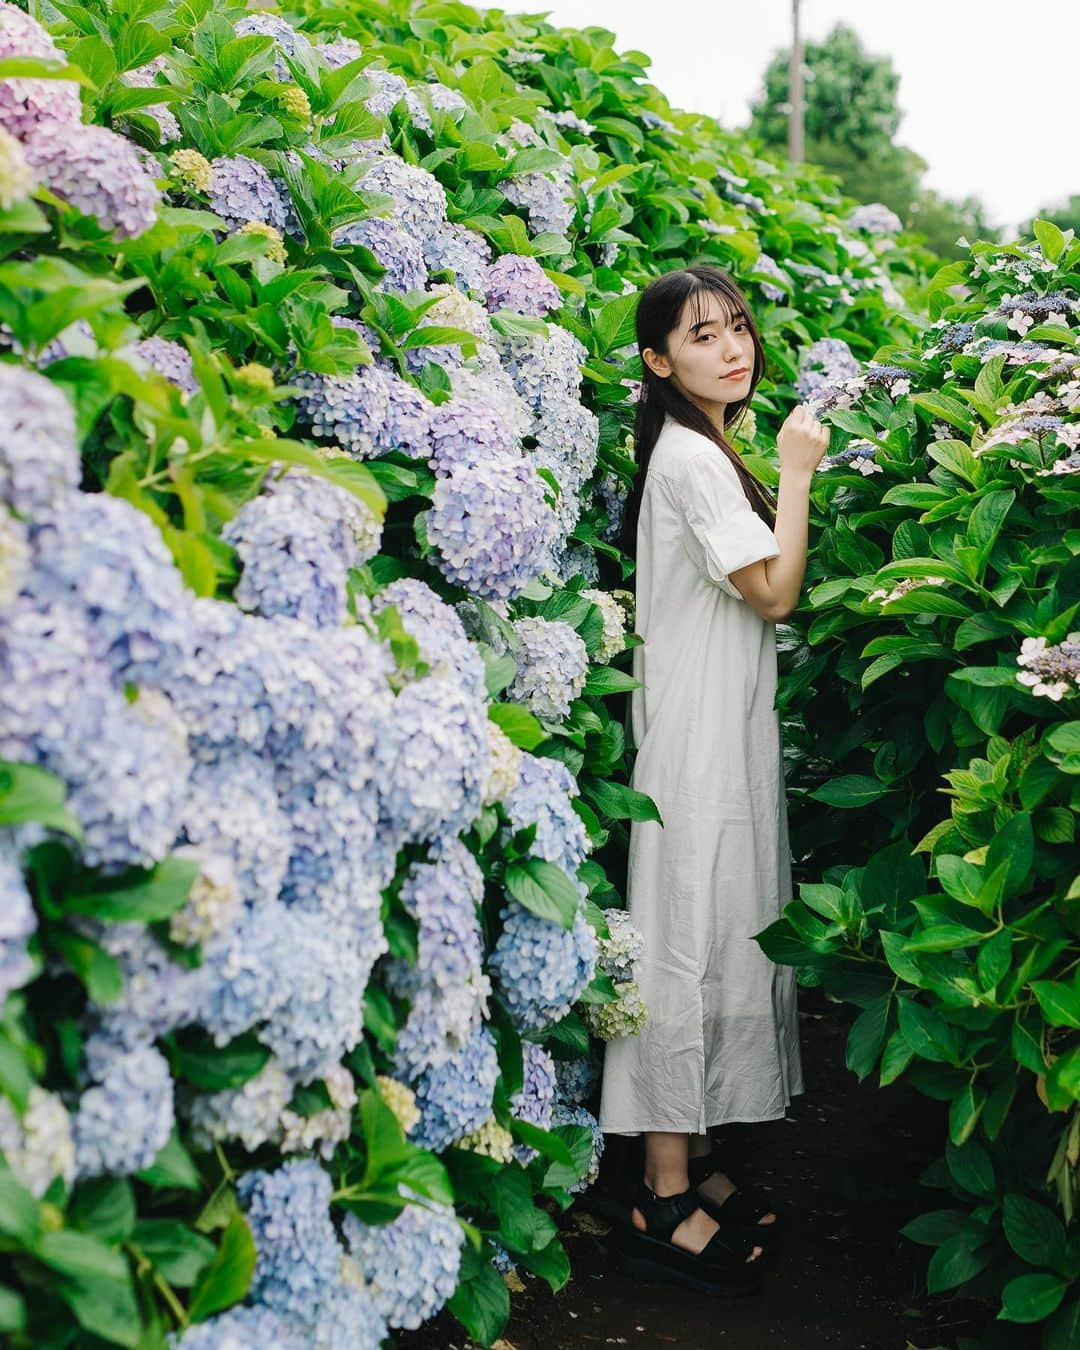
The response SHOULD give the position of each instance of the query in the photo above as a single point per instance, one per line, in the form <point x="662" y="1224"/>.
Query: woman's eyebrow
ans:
<point x="705" y="323"/>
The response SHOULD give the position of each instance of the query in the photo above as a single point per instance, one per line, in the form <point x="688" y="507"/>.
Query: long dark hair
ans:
<point x="659" y="312"/>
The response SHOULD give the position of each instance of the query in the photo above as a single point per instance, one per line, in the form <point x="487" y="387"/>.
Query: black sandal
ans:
<point x="721" y="1267"/>
<point x="743" y="1208"/>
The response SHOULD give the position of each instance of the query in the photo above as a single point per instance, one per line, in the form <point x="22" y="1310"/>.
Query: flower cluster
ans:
<point x="409" y="1266"/>
<point x="874" y="218"/>
<point x="543" y="797"/>
<point x="1050" y="670"/>
<point x="18" y="923"/>
<point x="859" y="455"/>
<point x="241" y="190"/>
<point x="551" y="667"/>
<point x="565" y="1114"/>
<point x="577" y="1079"/>
<point x="40" y="1146"/>
<point x="541" y="968"/>
<point x="614" y="637"/>
<point x="455" y="1098"/>
<point x="519" y="283"/>
<point x="535" y="1101"/>
<point x="902" y="588"/>
<point x="125" y="1120"/>
<point x="825" y="368"/>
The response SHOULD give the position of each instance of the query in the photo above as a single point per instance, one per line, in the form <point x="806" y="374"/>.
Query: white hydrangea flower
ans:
<point x="505" y="765"/>
<point x="41" y="1145"/>
<point x="614" y="639"/>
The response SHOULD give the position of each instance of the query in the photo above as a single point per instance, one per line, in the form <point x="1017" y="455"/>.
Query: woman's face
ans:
<point x="710" y="355"/>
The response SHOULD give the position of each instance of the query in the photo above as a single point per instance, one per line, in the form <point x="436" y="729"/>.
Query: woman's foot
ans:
<point x="718" y="1187"/>
<point x="692" y="1235"/>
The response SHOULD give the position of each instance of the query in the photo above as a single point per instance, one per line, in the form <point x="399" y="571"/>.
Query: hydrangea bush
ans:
<point x="931" y="688"/>
<point x="315" y="389"/>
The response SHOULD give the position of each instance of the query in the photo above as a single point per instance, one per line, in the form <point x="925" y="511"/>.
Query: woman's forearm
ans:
<point x="785" y="574"/>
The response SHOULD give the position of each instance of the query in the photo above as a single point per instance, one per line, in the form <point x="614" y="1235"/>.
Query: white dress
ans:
<point x="721" y="1041"/>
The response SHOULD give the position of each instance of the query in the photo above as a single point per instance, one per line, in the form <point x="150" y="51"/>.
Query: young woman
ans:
<point x="716" y="570"/>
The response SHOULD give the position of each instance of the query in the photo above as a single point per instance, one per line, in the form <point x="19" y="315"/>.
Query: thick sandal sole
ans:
<point x="644" y="1268"/>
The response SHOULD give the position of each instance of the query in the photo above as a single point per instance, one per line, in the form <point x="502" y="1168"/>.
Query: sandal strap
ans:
<point x="664" y="1213"/>
<point x="728" y="1246"/>
<point x="700" y="1169"/>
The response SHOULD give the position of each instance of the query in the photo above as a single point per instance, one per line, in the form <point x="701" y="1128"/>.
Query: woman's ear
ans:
<point x="657" y="362"/>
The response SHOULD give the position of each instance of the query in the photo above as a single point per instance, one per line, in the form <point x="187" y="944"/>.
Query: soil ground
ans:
<point x="843" y="1172"/>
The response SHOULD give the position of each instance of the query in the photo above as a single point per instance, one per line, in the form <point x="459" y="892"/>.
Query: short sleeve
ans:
<point x="724" y="532"/>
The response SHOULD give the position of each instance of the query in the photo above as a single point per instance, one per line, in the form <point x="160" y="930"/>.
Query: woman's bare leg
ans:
<point x="665" y="1174"/>
<point x="718" y="1186"/>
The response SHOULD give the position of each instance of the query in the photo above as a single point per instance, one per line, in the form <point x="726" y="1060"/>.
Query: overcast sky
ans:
<point x="988" y="90"/>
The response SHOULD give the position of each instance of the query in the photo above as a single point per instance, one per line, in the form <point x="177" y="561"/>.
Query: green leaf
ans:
<point x="1051" y="239"/>
<point x="28" y="793"/>
<point x="850" y="791"/>
<point x="928" y="1034"/>
<point x="965" y="1110"/>
<point x="226" y="1279"/>
<point x="177" y="1251"/>
<point x="543" y="889"/>
<point x="971" y="1167"/>
<point x="149" y="897"/>
<point x="932" y="1229"/>
<point x="105" y="1207"/>
<point x="1014" y="847"/>
<point x="615" y="324"/>
<point x="95" y="1283"/>
<point x="618" y="801"/>
<point x="12" y="1311"/>
<point x="867" y="1036"/>
<point x="172" y="1167"/>
<point x="517" y="724"/>
<point x="606" y="680"/>
<point x="895" y="1058"/>
<point x="954" y="1263"/>
<point x="1062" y="1332"/>
<point x="1060" y="1002"/>
<point x="213" y="1068"/>
<point x="481" y="1302"/>
<point x="20" y="1214"/>
<point x="1031" y="1298"/>
<point x="1035" y="1233"/>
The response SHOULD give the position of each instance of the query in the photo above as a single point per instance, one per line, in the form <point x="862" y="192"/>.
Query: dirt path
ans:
<point x="844" y="1173"/>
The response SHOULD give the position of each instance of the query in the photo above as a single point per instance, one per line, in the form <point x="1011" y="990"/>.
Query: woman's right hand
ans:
<point x="802" y="441"/>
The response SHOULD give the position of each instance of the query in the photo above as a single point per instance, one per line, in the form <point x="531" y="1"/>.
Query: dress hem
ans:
<point x="633" y="1131"/>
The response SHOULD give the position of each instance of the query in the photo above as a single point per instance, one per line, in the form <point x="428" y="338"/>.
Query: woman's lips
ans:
<point x="735" y="374"/>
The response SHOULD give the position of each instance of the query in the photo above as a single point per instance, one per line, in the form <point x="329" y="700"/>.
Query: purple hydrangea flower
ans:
<point x="27" y="104"/>
<point x="466" y="433"/>
<point x="874" y="218"/>
<point x="827" y="362"/>
<point x="394" y="248"/>
<point x="96" y="172"/>
<point x="286" y="39"/>
<point x="18" y="923"/>
<point x="241" y="190"/>
<point x="39" y="456"/>
<point x="552" y="663"/>
<point x="440" y="99"/>
<point x="419" y="196"/>
<point x="455" y="248"/>
<point x="542" y="797"/>
<point x="519" y="283"/>
<point x="168" y="358"/>
<point x="438" y="630"/>
<point x="491" y="527"/>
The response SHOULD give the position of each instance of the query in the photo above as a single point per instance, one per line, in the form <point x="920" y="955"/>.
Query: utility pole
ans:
<point x="795" y="89"/>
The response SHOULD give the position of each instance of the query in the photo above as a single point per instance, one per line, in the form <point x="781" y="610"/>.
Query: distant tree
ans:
<point x="852" y="117"/>
<point x="1066" y="217"/>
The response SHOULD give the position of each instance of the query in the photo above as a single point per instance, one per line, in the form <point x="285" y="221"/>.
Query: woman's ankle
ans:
<point x="666" y="1184"/>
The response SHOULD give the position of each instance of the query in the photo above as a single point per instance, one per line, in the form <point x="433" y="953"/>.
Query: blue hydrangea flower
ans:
<point x="27" y="104"/>
<point x="540" y="968"/>
<point x="455" y="1098"/>
<point x="827" y="362"/>
<point x="247" y="976"/>
<point x="297" y="542"/>
<point x="39" y="456"/>
<point x="519" y="283"/>
<point x="483" y="380"/>
<point x="348" y="1319"/>
<point x="125" y="1121"/>
<point x="466" y="433"/>
<point x="419" y="197"/>
<point x="874" y="218"/>
<point x="577" y="1079"/>
<point x="341" y="52"/>
<point x="299" y="1256"/>
<point x="533" y="1103"/>
<point x="564" y="1114"/>
<point x="394" y="248"/>
<point x="244" y="1328"/>
<point x="542" y="797"/>
<point x="250" y="1113"/>
<point x="241" y="190"/>
<point x="125" y="764"/>
<point x="232" y="812"/>
<point x="567" y="440"/>
<point x="431" y="760"/>
<point x="145" y="77"/>
<point x="492" y="527"/>
<point x="353" y="410"/>
<point x="548" y="200"/>
<point x="545" y="370"/>
<point x="408" y="425"/>
<point x="168" y="358"/>
<point x="438" y="630"/>
<point x="109" y="559"/>
<point x="455" y="248"/>
<point x="410" y="1265"/>
<point x="18" y="922"/>
<point x="621" y="950"/>
<point x="158" y="995"/>
<point x="98" y="173"/>
<point x="286" y="39"/>
<point x="391" y="88"/>
<point x="423" y="99"/>
<point x="770" y="267"/>
<point x="552" y="663"/>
